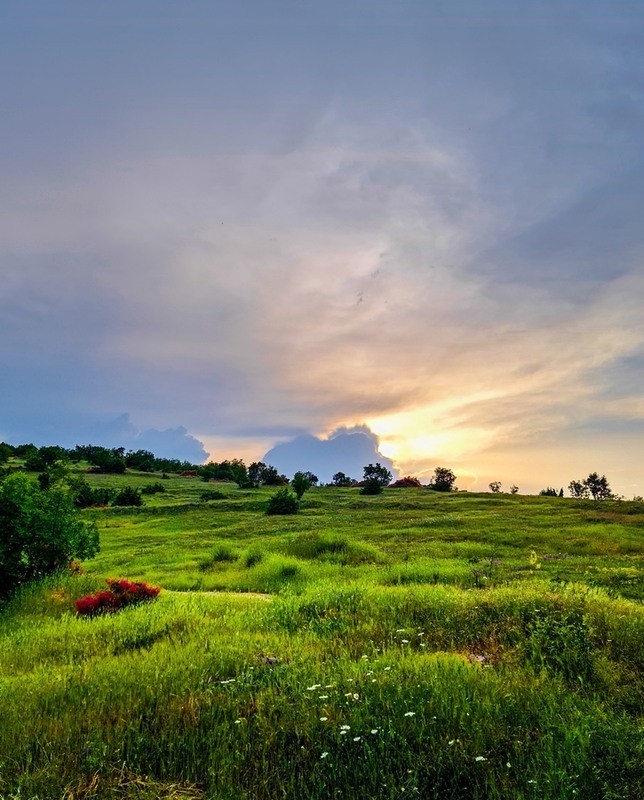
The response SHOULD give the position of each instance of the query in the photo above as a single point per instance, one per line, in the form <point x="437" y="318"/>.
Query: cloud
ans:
<point x="436" y="230"/>
<point x="346" y="450"/>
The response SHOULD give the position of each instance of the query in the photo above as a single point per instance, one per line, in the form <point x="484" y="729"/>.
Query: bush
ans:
<point x="128" y="497"/>
<point x="153" y="488"/>
<point x="283" y="502"/>
<point x="406" y="483"/>
<point x="212" y="495"/>
<point x="121" y="593"/>
<point x="371" y="486"/>
<point x="41" y="532"/>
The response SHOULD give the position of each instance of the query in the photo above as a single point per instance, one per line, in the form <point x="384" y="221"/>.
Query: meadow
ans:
<point x="408" y="644"/>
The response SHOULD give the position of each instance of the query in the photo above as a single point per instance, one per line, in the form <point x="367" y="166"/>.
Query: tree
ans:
<point x="340" y="479"/>
<point x="598" y="487"/>
<point x="255" y="474"/>
<point x="443" y="480"/>
<point x="549" y="491"/>
<point x="40" y="532"/>
<point x="378" y="473"/>
<point x="578" y="489"/>
<point x="301" y="483"/>
<point x="495" y="487"/>
<point x="514" y="489"/>
<point x="6" y="451"/>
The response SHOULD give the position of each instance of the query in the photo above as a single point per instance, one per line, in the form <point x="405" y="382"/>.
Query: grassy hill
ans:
<point x="407" y="644"/>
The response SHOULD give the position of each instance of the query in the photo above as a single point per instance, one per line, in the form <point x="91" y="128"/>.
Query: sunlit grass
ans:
<point x="401" y="645"/>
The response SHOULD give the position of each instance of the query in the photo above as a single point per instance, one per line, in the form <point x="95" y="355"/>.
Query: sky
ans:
<point x="229" y="228"/>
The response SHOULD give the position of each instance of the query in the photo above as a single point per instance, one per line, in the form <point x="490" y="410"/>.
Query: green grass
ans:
<point x="409" y="644"/>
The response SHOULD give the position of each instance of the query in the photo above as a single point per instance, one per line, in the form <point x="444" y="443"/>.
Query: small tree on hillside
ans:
<point x="301" y="483"/>
<point x="495" y="486"/>
<point x="340" y="479"/>
<point x="378" y="473"/>
<point x="443" y="480"/>
<point x="598" y="487"/>
<point x="578" y="490"/>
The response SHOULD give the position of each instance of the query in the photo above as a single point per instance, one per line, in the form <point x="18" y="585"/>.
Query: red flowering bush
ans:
<point x="121" y="593"/>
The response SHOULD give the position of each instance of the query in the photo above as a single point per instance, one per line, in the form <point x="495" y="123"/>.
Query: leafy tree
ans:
<point x="598" y="487"/>
<point x="143" y="460"/>
<point x="514" y="489"/>
<point x="340" y="479"/>
<point x="301" y="483"/>
<point x="6" y="451"/>
<point x="549" y="492"/>
<point x="443" y="480"/>
<point x="283" y="502"/>
<point x="578" y="489"/>
<point x="495" y="487"/>
<point x="39" y="532"/>
<point x="254" y="476"/>
<point x="378" y="473"/>
<point x="271" y="477"/>
<point x="238" y="472"/>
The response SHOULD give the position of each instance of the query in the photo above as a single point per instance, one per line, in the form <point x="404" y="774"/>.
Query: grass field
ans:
<point x="407" y="644"/>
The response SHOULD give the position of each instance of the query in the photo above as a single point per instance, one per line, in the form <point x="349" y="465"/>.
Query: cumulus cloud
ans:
<point x="346" y="450"/>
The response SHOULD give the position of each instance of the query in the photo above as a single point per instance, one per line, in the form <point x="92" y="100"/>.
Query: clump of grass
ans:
<point x="153" y="488"/>
<point x="222" y="554"/>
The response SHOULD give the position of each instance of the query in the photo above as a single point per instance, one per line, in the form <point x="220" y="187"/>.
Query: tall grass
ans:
<point x="409" y="644"/>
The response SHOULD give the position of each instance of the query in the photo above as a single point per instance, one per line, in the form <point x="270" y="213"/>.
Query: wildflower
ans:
<point x="387" y="669"/>
<point x="410" y="713"/>
<point x="356" y="738"/>
<point x="480" y="758"/>
<point x="451" y="741"/>
<point x="356" y="696"/>
<point x="508" y="765"/>
<point x="405" y="641"/>
<point x="237" y="722"/>
<point x="374" y="731"/>
<point x="314" y="687"/>
<point x="400" y="630"/>
<point x="323" y="697"/>
<point x="345" y="727"/>
<point x="324" y="755"/>
<point x="323" y="719"/>
<point x="343" y="733"/>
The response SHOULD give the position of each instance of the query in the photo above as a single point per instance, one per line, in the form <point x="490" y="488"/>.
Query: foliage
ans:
<point x="593" y="486"/>
<point x="443" y="480"/>
<point x="378" y="473"/>
<point x="283" y="502"/>
<point x="598" y="487"/>
<point x="39" y="532"/>
<point x="153" y="488"/>
<point x="495" y="486"/>
<point x="6" y="452"/>
<point x="301" y="483"/>
<point x="371" y="486"/>
<point x="560" y="642"/>
<point x="121" y="593"/>
<point x="128" y="496"/>
<point x="514" y="489"/>
<point x="549" y="491"/>
<point x="340" y="479"/>
<point x="406" y="483"/>
<point x="211" y="494"/>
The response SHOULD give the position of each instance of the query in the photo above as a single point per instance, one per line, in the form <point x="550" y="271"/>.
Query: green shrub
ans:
<point x="283" y="502"/>
<point x="41" y="533"/>
<point x="153" y="488"/>
<point x="212" y="494"/>
<point x="128" y="496"/>
<point x="371" y="486"/>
